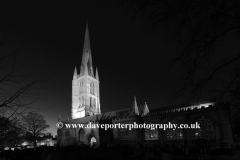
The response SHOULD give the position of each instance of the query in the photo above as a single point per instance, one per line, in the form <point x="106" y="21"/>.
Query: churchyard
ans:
<point x="116" y="153"/>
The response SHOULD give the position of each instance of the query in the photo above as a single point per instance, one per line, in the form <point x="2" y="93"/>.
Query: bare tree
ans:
<point x="201" y="28"/>
<point x="36" y="125"/>
<point x="18" y="85"/>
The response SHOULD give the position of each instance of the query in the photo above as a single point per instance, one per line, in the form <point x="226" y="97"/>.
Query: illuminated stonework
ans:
<point x="85" y="86"/>
<point x="213" y="117"/>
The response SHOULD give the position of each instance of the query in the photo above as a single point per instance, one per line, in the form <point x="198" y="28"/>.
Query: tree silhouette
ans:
<point x="19" y="87"/>
<point x="36" y="125"/>
<point x="18" y="90"/>
<point x="12" y="134"/>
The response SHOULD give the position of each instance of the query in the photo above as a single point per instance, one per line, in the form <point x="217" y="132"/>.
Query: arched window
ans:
<point x="174" y="134"/>
<point x="123" y="133"/>
<point x="81" y="86"/>
<point x="91" y="101"/>
<point x="81" y="135"/>
<point x="67" y="133"/>
<point x="91" y="88"/>
<point x="151" y="133"/>
<point x="206" y="130"/>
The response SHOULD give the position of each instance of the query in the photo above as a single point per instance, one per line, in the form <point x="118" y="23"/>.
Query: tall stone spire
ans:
<point x="87" y="39"/>
<point x="85" y="87"/>
<point x="87" y="57"/>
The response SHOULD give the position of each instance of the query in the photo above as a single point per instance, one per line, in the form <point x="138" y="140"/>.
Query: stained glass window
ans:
<point x="174" y="134"/>
<point x="81" y="135"/>
<point x="206" y="130"/>
<point x="151" y="134"/>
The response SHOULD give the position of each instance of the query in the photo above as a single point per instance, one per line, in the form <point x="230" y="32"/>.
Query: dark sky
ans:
<point x="131" y="59"/>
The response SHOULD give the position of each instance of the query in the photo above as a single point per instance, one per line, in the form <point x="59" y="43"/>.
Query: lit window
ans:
<point x="206" y="130"/>
<point x="174" y="134"/>
<point x="151" y="134"/>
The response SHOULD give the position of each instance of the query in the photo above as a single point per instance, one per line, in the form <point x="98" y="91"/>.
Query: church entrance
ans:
<point x="93" y="142"/>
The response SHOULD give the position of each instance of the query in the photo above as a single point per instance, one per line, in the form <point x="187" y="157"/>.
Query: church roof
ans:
<point x="119" y="114"/>
<point x="179" y="108"/>
<point x="127" y="113"/>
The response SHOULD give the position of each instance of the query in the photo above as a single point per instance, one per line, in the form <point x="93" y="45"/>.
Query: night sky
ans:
<point x="131" y="58"/>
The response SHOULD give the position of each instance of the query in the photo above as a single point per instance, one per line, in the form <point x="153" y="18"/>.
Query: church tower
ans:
<point x="85" y="86"/>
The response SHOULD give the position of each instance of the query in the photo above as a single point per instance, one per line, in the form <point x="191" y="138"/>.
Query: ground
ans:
<point x="117" y="153"/>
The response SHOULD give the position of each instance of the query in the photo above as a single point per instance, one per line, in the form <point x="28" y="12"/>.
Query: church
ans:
<point x="214" y="118"/>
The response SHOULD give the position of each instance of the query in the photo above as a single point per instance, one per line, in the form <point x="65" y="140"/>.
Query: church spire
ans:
<point x="85" y="85"/>
<point x="87" y="57"/>
<point x="87" y="39"/>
